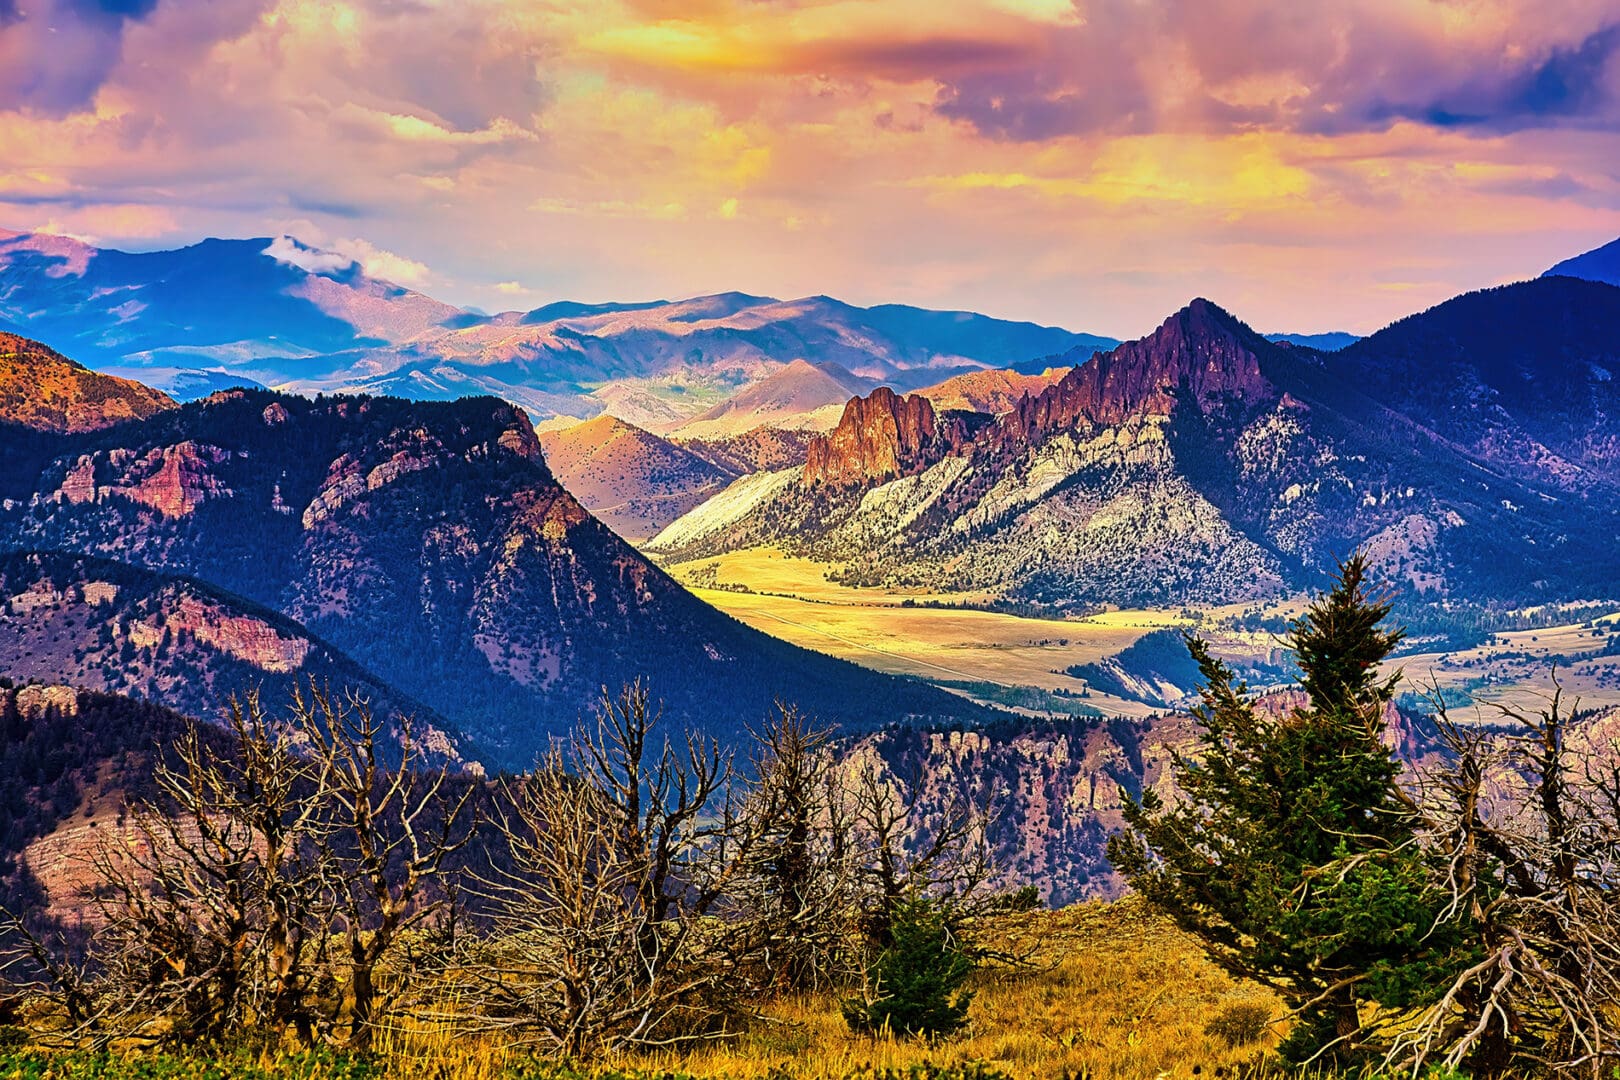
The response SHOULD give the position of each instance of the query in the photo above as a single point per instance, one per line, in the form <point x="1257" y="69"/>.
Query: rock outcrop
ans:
<point x="173" y="480"/>
<point x="880" y="437"/>
<point x="1200" y="356"/>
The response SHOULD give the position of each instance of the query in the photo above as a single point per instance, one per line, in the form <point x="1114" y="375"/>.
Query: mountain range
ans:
<point x="280" y="313"/>
<point x="425" y="543"/>
<point x="1471" y="449"/>
<point x="446" y="560"/>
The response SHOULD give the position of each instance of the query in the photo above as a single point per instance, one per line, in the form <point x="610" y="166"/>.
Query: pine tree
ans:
<point x="1293" y="856"/>
<point x="917" y="980"/>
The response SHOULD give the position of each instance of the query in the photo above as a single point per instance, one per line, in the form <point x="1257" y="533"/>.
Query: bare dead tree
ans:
<point x="280" y="862"/>
<point x="211" y="903"/>
<point x="387" y="826"/>
<point x="611" y="924"/>
<point x="46" y="963"/>
<point x="1524" y="819"/>
<point x="799" y="881"/>
<point x="904" y="853"/>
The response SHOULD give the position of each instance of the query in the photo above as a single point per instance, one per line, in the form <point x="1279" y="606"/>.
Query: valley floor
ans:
<point x="949" y="639"/>
<point x="905" y="632"/>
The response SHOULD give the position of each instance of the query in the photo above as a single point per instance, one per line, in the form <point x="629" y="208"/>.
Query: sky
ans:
<point x="1316" y="165"/>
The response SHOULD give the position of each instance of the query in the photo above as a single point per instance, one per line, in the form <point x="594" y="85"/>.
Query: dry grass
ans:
<point x="791" y="598"/>
<point x="1112" y="991"/>
<point x="1514" y="672"/>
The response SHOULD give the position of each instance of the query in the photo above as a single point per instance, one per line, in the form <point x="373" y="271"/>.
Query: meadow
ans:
<point x="1101" y="990"/>
<point x="948" y="638"/>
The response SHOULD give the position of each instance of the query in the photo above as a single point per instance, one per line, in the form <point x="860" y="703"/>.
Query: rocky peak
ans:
<point x="882" y="436"/>
<point x="519" y="437"/>
<point x="1200" y="355"/>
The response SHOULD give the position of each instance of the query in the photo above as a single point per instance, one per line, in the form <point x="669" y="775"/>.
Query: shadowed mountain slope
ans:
<point x="430" y="543"/>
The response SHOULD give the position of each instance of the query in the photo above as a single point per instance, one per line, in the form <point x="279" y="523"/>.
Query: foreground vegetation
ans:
<point x="1111" y="990"/>
<point x="310" y="893"/>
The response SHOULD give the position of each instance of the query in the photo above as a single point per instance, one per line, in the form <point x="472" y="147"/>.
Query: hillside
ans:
<point x="42" y="389"/>
<point x="429" y="543"/>
<point x="1205" y="464"/>
<point x="65" y="750"/>
<point x="800" y="396"/>
<point x="1525" y="378"/>
<point x="631" y="480"/>
<point x="119" y="629"/>
<point x="761" y="449"/>
<point x="994" y="391"/>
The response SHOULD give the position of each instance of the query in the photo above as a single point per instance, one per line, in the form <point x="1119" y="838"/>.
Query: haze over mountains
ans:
<point x="283" y="314"/>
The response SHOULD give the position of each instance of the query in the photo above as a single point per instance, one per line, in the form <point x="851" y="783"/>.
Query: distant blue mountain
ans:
<point x="284" y="314"/>
<point x="1332" y="341"/>
<point x="225" y="300"/>
<point x="1599" y="264"/>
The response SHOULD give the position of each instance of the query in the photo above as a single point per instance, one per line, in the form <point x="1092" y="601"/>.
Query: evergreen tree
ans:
<point x="1293" y="856"/>
<point x="916" y="982"/>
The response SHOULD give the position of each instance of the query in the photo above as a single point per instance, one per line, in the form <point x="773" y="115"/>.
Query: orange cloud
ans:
<point x="1087" y="162"/>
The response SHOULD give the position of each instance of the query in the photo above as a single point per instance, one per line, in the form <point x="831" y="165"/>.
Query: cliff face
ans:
<point x="880" y="437"/>
<point x="1200" y="356"/>
<point x="1052" y="789"/>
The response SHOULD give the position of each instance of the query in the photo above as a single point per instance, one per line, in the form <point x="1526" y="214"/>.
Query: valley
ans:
<point x="955" y="641"/>
<point x="902" y="632"/>
<point x="809" y="540"/>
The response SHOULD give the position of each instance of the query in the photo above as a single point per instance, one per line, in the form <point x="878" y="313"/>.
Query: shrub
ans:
<point x="1240" y="1023"/>
<point x="915" y="985"/>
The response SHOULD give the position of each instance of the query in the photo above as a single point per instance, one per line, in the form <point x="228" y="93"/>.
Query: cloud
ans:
<point x="1089" y="162"/>
<point x="1576" y="82"/>
<point x="55" y="55"/>
<point x="1212" y="66"/>
<point x="340" y="257"/>
<point x="287" y="249"/>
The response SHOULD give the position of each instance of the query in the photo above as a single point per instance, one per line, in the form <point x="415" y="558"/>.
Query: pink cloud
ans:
<point x="1092" y="164"/>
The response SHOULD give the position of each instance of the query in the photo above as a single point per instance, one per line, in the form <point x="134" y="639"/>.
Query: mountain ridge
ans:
<point x="1204" y="463"/>
<point x="295" y="317"/>
<point x="430" y="543"/>
<point x="1601" y="264"/>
